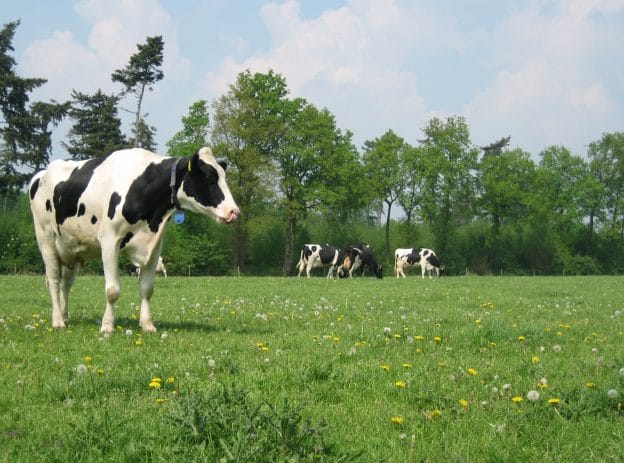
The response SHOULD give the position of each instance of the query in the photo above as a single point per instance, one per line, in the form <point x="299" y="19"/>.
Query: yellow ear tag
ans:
<point x="189" y="165"/>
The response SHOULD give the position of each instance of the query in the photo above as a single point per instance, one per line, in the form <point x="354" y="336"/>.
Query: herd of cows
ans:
<point x="359" y="258"/>
<point x="124" y="201"/>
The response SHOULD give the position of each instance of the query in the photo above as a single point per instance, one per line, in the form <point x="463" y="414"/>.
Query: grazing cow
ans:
<point x="117" y="203"/>
<point x="317" y="255"/>
<point x="425" y="258"/>
<point x="160" y="268"/>
<point x="360" y="257"/>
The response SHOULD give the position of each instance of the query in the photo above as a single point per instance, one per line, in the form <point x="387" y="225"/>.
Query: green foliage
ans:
<point x="194" y="134"/>
<point x="140" y="74"/>
<point x="26" y="138"/>
<point x="97" y="128"/>
<point x="230" y="426"/>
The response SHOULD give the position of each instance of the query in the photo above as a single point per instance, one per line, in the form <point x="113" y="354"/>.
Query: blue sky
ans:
<point x="545" y="72"/>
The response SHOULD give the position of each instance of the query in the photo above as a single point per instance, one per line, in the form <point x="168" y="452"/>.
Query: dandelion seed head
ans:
<point x="533" y="395"/>
<point x="387" y="330"/>
<point x="81" y="369"/>
<point x="556" y="348"/>
<point x="613" y="394"/>
<point x="129" y="333"/>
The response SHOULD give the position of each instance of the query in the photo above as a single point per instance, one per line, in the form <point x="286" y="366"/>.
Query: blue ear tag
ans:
<point x="178" y="217"/>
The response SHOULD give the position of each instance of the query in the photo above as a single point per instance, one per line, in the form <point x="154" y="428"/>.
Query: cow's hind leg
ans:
<point x="146" y="289"/>
<point x="53" y="280"/>
<point x="110" y="258"/>
<point x="68" y="276"/>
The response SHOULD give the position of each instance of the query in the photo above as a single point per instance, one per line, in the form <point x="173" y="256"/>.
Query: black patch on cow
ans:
<point x="126" y="239"/>
<point x="48" y="206"/>
<point x="328" y="254"/>
<point x="67" y="193"/>
<point x="149" y="195"/>
<point x="93" y="219"/>
<point x="81" y="209"/>
<point x="202" y="184"/>
<point x="115" y="199"/>
<point x="433" y="260"/>
<point x="33" y="189"/>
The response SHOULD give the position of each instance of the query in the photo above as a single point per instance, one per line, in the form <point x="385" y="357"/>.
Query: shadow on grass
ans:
<point x="164" y="325"/>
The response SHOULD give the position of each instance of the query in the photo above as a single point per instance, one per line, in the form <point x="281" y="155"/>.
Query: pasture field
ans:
<point x="255" y="369"/>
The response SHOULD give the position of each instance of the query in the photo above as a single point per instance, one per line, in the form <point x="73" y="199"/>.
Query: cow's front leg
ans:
<point x="146" y="289"/>
<point x="110" y="258"/>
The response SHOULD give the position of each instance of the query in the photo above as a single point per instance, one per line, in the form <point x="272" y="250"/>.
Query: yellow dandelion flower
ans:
<point x="397" y="420"/>
<point x="521" y="338"/>
<point x="463" y="403"/>
<point x="385" y="367"/>
<point x="477" y="321"/>
<point x="590" y="385"/>
<point x="419" y="350"/>
<point x="535" y="359"/>
<point x="437" y="339"/>
<point x="472" y="371"/>
<point x="138" y="342"/>
<point x="154" y="384"/>
<point x="171" y="379"/>
<point x="88" y="359"/>
<point x="407" y="365"/>
<point x="517" y="399"/>
<point x="400" y="384"/>
<point x="554" y="401"/>
<point x="419" y="338"/>
<point x="100" y="371"/>
<point x="160" y="401"/>
<point x="397" y="336"/>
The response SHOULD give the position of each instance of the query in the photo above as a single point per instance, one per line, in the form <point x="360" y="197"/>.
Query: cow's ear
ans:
<point x="222" y="163"/>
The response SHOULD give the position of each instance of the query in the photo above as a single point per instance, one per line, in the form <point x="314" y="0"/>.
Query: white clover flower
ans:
<point x="387" y="330"/>
<point x="617" y="313"/>
<point x="164" y="336"/>
<point x="352" y="351"/>
<point x="506" y="387"/>
<point x="594" y="350"/>
<point x="533" y="395"/>
<point x="129" y="333"/>
<point x="494" y="390"/>
<point x="29" y="327"/>
<point x="621" y="371"/>
<point x="543" y="381"/>
<point x="211" y="363"/>
<point x="613" y="394"/>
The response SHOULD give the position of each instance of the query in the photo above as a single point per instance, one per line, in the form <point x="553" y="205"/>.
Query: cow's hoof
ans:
<point x="106" y="329"/>
<point x="148" y="328"/>
<point x="58" y="325"/>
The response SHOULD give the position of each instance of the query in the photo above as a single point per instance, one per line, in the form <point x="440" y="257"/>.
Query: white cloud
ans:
<point x="548" y="87"/>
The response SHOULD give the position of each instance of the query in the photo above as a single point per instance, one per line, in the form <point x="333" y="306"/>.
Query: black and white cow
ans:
<point x="117" y="203"/>
<point x="319" y="255"/>
<point x="360" y="257"/>
<point x="425" y="258"/>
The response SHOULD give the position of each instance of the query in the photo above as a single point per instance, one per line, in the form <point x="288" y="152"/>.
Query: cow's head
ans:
<point x="204" y="189"/>
<point x="379" y="271"/>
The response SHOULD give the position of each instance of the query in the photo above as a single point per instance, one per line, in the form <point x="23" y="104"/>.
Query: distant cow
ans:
<point x="425" y="258"/>
<point x="160" y="268"/>
<point x="117" y="203"/>
<point x="319" y="255"/>
<point x="360" y="257"/>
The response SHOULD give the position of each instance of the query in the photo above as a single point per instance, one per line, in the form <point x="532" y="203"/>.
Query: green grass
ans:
<point x="287" y="369"/>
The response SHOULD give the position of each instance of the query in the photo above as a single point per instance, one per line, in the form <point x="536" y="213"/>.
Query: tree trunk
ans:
<point x="289" y="245"/>
<point x="388" y="254"/>
<point x="138" y="117"/>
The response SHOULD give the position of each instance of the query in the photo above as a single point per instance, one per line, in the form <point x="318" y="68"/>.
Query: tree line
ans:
<point x="298" y="178"/>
